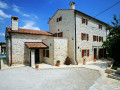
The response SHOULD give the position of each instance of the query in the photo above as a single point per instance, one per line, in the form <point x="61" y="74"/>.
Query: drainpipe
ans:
<point x="11" y="48"/>
<point x="75" y="38"/>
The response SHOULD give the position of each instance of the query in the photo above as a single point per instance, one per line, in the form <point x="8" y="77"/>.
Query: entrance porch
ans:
<point x="36" y="52"/>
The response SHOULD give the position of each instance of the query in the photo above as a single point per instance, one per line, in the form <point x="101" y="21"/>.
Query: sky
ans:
<point x="35" y="14"/>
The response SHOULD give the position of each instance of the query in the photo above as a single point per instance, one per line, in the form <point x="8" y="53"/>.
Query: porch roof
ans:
<point x="33" y="45"/>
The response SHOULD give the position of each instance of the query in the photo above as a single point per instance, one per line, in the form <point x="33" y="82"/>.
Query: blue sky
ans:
<point x="34" y="14"/>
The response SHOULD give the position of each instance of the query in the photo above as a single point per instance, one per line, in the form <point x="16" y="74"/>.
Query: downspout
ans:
<point x="75" y="37"/>
<point x="11" y="48"/>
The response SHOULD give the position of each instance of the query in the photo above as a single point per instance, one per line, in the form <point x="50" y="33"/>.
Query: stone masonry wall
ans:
<point x="20" y="53"/>
<point x="91" y="29"/>
<point x="67" y="26"/>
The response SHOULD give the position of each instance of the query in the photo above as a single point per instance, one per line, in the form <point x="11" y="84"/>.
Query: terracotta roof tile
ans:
<point x="29" y="31"/>
<point x="3" y="46"/>
<point x="36" y="45"/>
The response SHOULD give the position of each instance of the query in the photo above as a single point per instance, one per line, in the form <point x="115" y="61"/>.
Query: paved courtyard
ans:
<point x="80" y="77"/>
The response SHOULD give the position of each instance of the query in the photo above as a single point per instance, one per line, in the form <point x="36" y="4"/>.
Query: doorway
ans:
<point x="95" y="53"/>
<point x="37" y="56"/>
<point x="100" y="53"/>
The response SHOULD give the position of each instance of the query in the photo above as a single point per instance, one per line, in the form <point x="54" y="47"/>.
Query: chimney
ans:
<point x="72" y="5"/>
<point x="14" y="21"/>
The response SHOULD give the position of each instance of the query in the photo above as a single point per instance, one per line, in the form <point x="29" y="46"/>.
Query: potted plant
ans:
<point x="94" y="59"/>
<point x="36" y="66"/>
<point x="58" y="63"/>
<point x="84" y="61"/>
<point x="67" y="61"/>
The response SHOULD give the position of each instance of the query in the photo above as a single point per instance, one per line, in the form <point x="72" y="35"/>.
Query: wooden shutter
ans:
<point x="82" y="36"/>
<point x="82" y="20"/>
<point x="99" y="26"/>
<point x="102" y="39"/>
<point x="82" y="53"/>
<point x="44" y="53"/>
<point x="93" y="37"/>
<point x="86" y="21"/>
<point x="61" y="34"/>
<point x="55" y="35"/>
<point x="87" y="37"/>
<point x="88" y="52"/>
<point x="97" y="38"/>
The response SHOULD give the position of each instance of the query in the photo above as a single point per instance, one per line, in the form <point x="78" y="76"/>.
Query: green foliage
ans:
<point x="2" y="43"/>
<point x="112" y="44"/>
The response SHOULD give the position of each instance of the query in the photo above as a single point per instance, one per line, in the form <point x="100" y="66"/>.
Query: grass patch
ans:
<point x="2" y="58"/>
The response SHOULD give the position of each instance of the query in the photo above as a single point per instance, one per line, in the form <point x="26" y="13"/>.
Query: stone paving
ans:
<point x="59" y="74"/>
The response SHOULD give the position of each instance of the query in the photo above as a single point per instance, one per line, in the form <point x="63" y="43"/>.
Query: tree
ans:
<point x="112" y="44"/>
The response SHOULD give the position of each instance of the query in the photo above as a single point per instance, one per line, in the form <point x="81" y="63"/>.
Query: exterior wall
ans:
<point x="91" y="29"/>
<point x="67" y="26"/>
<point x="50" y="44"/>
<point x="58" y="50"/>
<point x="8" y="50"/>
<point x="20" y="53"/>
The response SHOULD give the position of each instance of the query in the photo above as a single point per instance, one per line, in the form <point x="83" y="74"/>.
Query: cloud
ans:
<point x="2" y="34"/>
<point x="30" y="25"/>
<point x="26" y="15"/>
<point x="16" y="8"/>
<point x="3" y="5"/>
<point x="4" y="15"/>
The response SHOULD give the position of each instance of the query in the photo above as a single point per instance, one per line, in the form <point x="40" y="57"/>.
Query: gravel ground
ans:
<point x="27" y="78"/>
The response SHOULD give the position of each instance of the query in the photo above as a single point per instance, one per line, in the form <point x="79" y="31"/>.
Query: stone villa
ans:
<point x="71" y="33"/>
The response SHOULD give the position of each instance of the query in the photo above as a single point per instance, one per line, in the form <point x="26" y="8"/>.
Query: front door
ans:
<point x="95" y="53"/>
<point x="100" y="53"/>
<point x="37" y="56"/>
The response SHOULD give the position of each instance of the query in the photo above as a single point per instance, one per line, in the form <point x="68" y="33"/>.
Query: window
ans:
<point x="95" y="38"/>
<point x="84" y="36"/>
<point x="58" y="34"/>
<point x="46" y="53"/>
<point x="100" y="26"/>
<point x="85" y="52"/>
<point x="59" y="19"/>
<point x="100" y="39"/>
<point x="84" y="21"/>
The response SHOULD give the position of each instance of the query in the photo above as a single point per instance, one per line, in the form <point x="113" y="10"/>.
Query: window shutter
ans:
<point x="88" y="52"/>
<point x="97" y="38"/>
<point x="86" y="21"/>
<point x="99" y="26"/>
<point x="82" y="53"/>
<point x="82" y="36"/>
<point x="55" y="35"/>
<point x="87" y="37"/>
<point x="61" y="34"/>
<point x="93" y="37"/>
<point x="102" y="39"/>
<point x="82" y="20"/>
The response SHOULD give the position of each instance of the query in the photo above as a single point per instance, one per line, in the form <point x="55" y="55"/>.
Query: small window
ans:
<point x="84" y="21"/>
<point x="47" y="53"/>
<point x="100" y="26"/>
<point x="85" y="36"/>
<point x="59" y="19"/>
<point x="44" y="53"/>
<point x="85" y="52"/>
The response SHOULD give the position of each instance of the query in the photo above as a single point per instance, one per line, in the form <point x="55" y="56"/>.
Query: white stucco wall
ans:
<point x="67" y="26"/>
